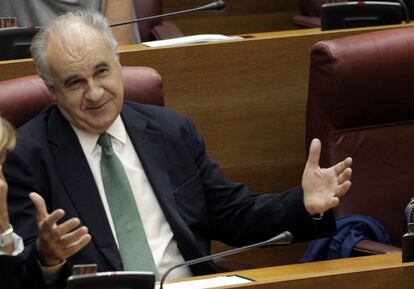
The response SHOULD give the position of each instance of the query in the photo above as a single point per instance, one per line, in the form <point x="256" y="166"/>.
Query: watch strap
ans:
<point x="6" y="238"/>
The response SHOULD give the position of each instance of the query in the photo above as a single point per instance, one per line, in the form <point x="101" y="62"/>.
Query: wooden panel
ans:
<point x="240" y="104"/>
<point x="237" y="24"/>
<point x="234" y="7"/>
<point x="239" y="17"/>
<point x="372" y="272"/>
<point x="266" y="257"/>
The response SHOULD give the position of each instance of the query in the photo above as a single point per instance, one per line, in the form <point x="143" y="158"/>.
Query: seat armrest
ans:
<point x="374" y="248"/>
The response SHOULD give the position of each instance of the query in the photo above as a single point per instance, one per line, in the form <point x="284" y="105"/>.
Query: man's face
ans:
<point x="87" y="80"/>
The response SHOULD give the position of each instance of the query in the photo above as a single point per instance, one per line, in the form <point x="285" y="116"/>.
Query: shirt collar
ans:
<point x="88" y="141"/>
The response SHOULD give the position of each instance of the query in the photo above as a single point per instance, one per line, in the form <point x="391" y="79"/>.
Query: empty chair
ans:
<point x="310" y="14"/>
<point x="361" y="104"/>
<point x="348" y="14"/>
<point x="155" y="29"/>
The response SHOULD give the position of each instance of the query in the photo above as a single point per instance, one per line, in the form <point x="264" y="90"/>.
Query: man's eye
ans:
<point x="103" y="71"/>
<point x="74" y="84"/>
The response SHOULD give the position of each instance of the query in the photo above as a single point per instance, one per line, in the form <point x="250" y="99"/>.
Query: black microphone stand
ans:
<point x="283" y="239"/>
<point x="215" y="6"/>
<point x="405" y="10"/>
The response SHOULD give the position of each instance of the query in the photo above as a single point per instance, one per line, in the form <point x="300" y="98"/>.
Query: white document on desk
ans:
<point x="207" y="283"/>
<point x="201" y="38"/>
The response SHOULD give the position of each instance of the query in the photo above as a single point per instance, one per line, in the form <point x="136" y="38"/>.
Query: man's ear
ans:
<point x="49" y="86"/>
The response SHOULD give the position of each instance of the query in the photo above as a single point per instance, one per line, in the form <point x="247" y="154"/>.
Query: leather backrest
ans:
<point x="146" y="8"/>
<point x="361" y="104"/>
<point x="23" y="98"/>
<point x="311" y="7"/>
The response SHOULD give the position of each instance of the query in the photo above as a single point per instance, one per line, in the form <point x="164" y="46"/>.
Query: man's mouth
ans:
<point x="97" y="106"/>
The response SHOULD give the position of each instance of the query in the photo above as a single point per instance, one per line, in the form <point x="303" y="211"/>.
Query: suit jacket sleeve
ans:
<point x="239" y="217"/>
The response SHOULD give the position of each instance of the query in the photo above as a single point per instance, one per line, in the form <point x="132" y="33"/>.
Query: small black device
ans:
<point x="16" y="41"/>
<point x="342" y="15"/>
<point x="113" y="280"/>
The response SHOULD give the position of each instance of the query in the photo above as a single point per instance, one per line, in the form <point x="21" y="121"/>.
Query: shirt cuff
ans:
<point x="51" y="273"/>
<point x="17" y="245"/>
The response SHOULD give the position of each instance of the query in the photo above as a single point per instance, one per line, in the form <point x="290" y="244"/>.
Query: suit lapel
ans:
<point x="79" y="183"/>
<point x="149" y="144"/>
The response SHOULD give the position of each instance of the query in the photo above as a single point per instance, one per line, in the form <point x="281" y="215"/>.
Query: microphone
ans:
<point x="284" y="238"/>
<point x="405" y="10"/>
<point x="214" y="6"/>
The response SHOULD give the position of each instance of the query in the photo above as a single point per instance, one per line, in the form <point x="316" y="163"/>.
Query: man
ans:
<point x="181" y="196"/>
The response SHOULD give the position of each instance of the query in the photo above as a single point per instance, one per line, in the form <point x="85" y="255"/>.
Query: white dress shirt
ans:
<point x="159" y="234"/>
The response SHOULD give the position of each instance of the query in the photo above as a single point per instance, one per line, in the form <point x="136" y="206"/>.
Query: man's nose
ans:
<point x="94" y="91"/>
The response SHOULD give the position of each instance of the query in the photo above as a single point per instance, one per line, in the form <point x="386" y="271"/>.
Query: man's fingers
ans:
<point x="345" y="176"/>
<point x="334" y="202"/>
<point x="74" y="236"/>
<point x="67" y="226"/>
<point x="3" y="186"/>
<point x="50" y="221"/>
<point x="340" y="167"/>
<point x="1" y="173"/>
<point x="314" y="153"/>
<point x="78" y="245"/>
<point x="40" y="206"/>
<point x="343" y="188"/>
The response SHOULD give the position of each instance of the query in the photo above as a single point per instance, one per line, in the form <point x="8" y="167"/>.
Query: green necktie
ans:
<point x="133" y="244"/>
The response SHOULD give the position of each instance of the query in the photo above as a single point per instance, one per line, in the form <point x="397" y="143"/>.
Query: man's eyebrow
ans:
<point x="100" y="65"/>
<point x="69" y="79"/>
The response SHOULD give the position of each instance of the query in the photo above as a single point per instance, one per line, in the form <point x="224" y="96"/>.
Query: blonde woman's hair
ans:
<point x="7" y="136"/>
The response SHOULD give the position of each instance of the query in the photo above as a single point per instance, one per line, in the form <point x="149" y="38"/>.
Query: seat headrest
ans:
<point x="23" y="98"/>
<point x="353" y="74"/>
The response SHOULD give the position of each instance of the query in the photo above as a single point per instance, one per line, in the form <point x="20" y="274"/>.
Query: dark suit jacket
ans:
<point x="199" y="203"/>
<point x="12" y="271"/>
<point x="20" y="271"/>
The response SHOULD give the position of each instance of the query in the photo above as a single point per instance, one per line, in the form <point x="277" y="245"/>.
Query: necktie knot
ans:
<point x="104" y="141"/>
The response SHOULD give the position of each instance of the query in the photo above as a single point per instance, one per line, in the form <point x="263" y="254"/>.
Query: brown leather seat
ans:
<point x="23" y="98"/>
<point x="361" y="104"/>
<point x="155" y="29"/>
<point x="310" y="13"/>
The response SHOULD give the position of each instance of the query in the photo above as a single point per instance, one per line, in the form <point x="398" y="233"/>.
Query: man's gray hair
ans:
<point x="41" y="39"/>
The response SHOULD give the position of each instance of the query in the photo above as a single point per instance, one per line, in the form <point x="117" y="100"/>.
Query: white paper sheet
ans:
<point x="201" y="38"/>
<point x="206" y="283"/>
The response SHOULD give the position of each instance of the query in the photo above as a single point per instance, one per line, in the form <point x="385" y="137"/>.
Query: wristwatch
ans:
<point x="6" y="238"/>
<point x="317" y="217"/>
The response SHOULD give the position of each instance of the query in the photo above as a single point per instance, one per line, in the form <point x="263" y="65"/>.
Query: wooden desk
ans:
<point x="372" y="272"/>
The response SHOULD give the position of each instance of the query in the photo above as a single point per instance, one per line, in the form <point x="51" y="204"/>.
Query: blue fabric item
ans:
<point x="351" y="230"/>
